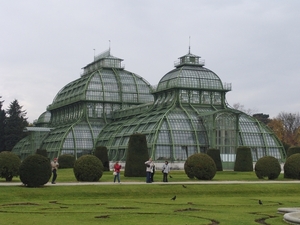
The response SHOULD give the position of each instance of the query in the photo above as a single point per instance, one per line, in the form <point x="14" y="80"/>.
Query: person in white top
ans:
<point x="165" y="171"/>
<point x="149" y="167"/>
<point x="54" y="165"/>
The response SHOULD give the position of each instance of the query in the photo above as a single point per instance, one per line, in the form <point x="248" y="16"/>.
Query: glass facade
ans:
<point x="83" y="107"/>
<point x="186" y="113"/>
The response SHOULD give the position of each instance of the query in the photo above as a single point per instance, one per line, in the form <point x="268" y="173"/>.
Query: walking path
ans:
<point x="154" y="183"/>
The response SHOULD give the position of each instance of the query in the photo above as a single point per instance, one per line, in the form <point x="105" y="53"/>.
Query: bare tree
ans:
<point x="242" y="108"/>
<point x="291" y="121"/>
<point x="291" y="126"/>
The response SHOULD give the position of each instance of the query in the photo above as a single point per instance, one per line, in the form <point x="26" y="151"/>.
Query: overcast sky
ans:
<point x="254" y="45"/>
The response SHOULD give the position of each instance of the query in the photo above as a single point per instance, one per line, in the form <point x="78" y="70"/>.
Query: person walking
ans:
<point x="149" y="166"/>
<point x="165" y="171"/>
<point x="117" y="168"/>
<point x="54" y="165"/>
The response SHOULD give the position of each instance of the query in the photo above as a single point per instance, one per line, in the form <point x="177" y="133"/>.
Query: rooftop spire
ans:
<point x="189" y="44"/>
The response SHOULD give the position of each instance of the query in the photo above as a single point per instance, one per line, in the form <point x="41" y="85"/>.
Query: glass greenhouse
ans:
<point x="186" y="113"/>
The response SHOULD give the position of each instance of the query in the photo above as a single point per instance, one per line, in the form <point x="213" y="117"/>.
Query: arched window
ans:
<point x="225" y="133"/>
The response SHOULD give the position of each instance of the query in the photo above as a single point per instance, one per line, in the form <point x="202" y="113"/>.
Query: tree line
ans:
<point x="12" y="123"/>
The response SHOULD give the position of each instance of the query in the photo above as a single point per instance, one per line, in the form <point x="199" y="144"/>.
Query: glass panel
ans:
<point x="163" y="152"/>
<point x="205" y="98"/>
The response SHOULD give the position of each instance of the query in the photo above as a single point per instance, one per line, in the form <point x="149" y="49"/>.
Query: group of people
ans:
<point x="150" y="171"/>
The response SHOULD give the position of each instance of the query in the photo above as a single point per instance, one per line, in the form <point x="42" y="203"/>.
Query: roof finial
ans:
<point x="94" y="53"/>
<point x="109" y="47"/>
<point x="189" y="44"/>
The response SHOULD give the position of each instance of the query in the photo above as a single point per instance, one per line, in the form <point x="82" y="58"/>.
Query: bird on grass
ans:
<point x="260" y="202"/>
<point x="170" y="176"/>
<point x="183" y="186"/>
<point x="173" y="198"/>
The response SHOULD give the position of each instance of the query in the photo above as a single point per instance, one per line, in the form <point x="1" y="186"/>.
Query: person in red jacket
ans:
<point x="117" y="168"/>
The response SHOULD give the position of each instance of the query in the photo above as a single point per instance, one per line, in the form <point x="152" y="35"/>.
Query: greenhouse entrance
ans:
<point x="222" y="129"/>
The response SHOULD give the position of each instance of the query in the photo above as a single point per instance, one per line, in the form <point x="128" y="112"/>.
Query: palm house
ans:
<point x="185" y="113"/>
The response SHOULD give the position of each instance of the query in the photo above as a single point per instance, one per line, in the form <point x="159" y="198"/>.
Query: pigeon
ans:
<point x="173" y="198"/>
<point x="170" y="176"/>
<point x="260" y="202"/>
<point x="183" y="186"/>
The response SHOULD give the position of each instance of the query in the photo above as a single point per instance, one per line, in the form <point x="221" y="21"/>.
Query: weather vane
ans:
<point x="189" y="44"/>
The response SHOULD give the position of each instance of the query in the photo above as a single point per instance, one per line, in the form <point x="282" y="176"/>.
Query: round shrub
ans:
<point x="66" y="161"/>
<point x="88" y="168"/>
<point x="9" y="165"/>
<point x="35" y="170"/>
<point x="200" y="166"/>
<point x="292" y="167"/>
<point x="292" y="150"/>
<point x="267" y="166"/>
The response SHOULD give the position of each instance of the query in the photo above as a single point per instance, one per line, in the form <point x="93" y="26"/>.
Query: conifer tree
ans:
<point x="16" y="121"/>
<point x="2" y="126"/>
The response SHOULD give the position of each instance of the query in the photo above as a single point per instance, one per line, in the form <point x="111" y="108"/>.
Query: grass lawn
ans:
<point x="149" y="203"/>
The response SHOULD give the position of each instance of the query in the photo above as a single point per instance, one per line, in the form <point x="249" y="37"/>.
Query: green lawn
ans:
<point x="149" y="203"/>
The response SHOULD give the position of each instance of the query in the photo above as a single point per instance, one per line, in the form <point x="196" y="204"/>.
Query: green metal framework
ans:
<point x="189" y="115"/>
<point x="186" y="113"/>
<point x="84" y="106"/>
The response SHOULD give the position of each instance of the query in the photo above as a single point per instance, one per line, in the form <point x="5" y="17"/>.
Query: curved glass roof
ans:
<point x="105" y="80"/>
<point x="190" y="77"/>
<point x="44" y="119"/>
<point x="177" y="132"/>
<point x="77" y="139"/>
<point x="190" y="74"/>
<point x="106" y="85"/>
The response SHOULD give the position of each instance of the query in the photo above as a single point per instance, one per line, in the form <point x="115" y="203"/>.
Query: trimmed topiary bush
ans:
<point x="66" y="161"/>
<point x="101" y="153"/>
<point x="88" y="168"/>
<point x="215" y="155"/>
<point x="9" y="165"/>
<point x="292" y="167"/>
<point x="137" y="155"/>
<point x="42" y="152"/>
<point x="243" y="160"/>
<point x="267" y="166"/>
<point x="35" y="170"/>
<point x="201" y="166"/>
<point x="292" y="150"/>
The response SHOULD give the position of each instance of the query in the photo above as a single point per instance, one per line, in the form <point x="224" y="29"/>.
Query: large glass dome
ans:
<point x="190" y="73"/>
<point x="83" y="107"/>
<point x="102" y="82"/>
